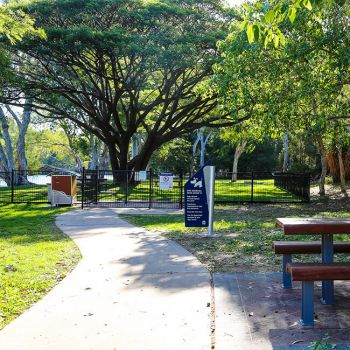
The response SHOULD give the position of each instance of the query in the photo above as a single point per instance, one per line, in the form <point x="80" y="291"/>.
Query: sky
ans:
<point x="234" y="2"/>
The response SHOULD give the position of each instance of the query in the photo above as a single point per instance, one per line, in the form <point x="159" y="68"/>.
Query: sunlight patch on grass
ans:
<point x="243" y="233"/>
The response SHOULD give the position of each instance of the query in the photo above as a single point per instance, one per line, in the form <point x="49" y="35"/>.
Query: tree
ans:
<point x="285" y="139"/>
<point x="124" y="66"/>
<point x="14" y="157"/>
<point x="202" y="141"/>
<point x="298" y="86"/>
<point x="174" y="157"/>
<point x="244" y="138"/>
<point x="263" y="20"/>
<point x="15" y="24"/>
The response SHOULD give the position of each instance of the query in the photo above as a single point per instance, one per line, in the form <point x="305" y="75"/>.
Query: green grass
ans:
<point x="24" y="194"/>
<point x="243" y="234"/>
<point x="225" y="191"/>
<point x="34" y="256"/>
<point x="240" y="191"/>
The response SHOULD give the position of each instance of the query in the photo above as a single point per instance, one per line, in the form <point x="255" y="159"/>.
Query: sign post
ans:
<point x="199" y="199"/>
<point x="211" y="200"/>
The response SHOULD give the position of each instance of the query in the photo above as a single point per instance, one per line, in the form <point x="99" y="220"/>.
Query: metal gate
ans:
<point x="129" y="189"/>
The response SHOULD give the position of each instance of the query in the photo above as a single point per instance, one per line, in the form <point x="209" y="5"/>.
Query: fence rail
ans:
<point x="26" y="186"/>
<point x="142" y="189"/>
<point x="129" y="189"/>
<point x="261" y="187"/>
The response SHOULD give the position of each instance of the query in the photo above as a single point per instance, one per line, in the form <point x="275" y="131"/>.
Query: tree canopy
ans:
<point x="301" y="85"/>
<point x="113" y="67"/>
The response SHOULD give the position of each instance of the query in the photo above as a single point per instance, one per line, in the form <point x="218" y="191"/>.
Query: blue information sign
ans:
<point x="196" y="199"/>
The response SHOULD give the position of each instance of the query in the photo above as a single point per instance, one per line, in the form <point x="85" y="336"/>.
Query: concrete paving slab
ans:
<point x="139" y="211"/>
<point x="253" y="311"/>
<point x="132" y="290"/>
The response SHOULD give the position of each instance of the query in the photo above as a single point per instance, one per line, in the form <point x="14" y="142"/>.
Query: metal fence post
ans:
<point x="83" y="189"/>
<point x="150" y="188"/>
<point x="126" y="186"/>
<point x="12" y="186"/>
<point x="97" y="182"/>
<point x="181" y="189"/>
<point x="252" y="188"/>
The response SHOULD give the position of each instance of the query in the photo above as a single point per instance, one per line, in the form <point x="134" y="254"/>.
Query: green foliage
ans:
<point x="263" y="21"/>
<point x="48" y="147"/>
<point x="15" y="24"/>
<point x="322" y="344"/>
<point x="300" y="87"/>
<point x="137" y="69"/>
<point x="246" y="131"/>
<point x="175" y="156"/>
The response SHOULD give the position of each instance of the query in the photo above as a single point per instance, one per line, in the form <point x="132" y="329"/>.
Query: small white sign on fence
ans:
<point x="166" y="181"/>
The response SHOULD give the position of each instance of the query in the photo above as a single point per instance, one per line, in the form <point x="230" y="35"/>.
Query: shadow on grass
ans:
<point x="25" y="223"/>
<point x="243" y="234"/>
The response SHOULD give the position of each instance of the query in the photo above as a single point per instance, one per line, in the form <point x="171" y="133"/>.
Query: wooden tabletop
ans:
<point x="312" y="226"/>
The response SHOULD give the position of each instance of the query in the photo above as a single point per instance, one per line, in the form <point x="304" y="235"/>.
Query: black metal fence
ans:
<point x="296" y="184"/>
<point x="261" y="187"/>
<point x="129" y="189"/>
<point x="142" y="189"/>
<point x="26" y="186"/>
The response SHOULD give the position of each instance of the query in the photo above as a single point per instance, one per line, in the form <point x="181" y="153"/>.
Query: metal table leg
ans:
<point x="327" y="257"/>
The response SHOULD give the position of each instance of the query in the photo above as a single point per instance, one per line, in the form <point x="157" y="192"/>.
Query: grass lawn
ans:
<point x="243" y="234"/>
<point x="34" y="256"/>
<point x="25" y="194"/>
<point x="225" y="191"/>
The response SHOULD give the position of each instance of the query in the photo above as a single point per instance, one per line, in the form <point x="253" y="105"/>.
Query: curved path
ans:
<point x="132" y="290"/>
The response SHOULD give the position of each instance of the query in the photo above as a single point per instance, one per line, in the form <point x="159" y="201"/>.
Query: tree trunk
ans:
<point x="113" y="157"/>
<point x="94" y="153"/>
<point x="142" y="160"/>
<point x="204" y="142"/>
<point x="104" y="158"/>
<point x="240" y="148"/>
<point x="286" y="153"/>
<point x="194" y="151"/>
<point x="7" y="157"/>
<point x="135" y="145"/>
<point x="341" y="170"/>
<point x="322" y="151"/>
<point x="21" y="145"/>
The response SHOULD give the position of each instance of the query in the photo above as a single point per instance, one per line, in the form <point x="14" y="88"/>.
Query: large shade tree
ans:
<point x="14" y="25"/>
<point x="123" y="66"/>
<point x="299" y="86"/>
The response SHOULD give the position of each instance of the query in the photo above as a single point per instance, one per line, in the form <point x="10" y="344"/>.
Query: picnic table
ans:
<point x="318" y="226"/>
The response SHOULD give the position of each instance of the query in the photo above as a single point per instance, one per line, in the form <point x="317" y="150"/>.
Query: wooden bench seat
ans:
<point x="309" y="247"/>
<point x="319" y="272"/>
<point x="288" y="248"/>
<point x="308" y="273"/>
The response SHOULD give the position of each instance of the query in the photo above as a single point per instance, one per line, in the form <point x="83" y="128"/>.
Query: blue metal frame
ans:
<point x="307" y="303"/>
<point x="287" y="278"/>
<point x="327" y="257"/>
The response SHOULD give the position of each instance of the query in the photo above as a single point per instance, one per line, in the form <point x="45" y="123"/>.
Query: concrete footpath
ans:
<point x="132" y="290"/>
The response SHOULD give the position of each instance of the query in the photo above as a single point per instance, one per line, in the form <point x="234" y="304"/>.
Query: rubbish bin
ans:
<point x="63" y="189"/>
